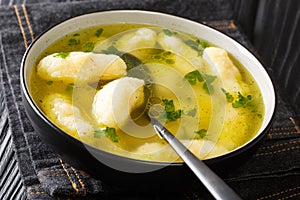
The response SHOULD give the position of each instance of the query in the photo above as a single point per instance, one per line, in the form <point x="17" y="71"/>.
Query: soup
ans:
<point x="102" y="85"/>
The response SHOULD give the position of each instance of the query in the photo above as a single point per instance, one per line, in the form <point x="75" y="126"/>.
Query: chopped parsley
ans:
<point x="62" y="55"/>
<point x="170" y="61"/>
<point x="170" y="113"/>
<point x="168" y="32"/>
<point x="229" y="97"/>
<point x="165" y="56"/>
<point x="192" y="112"/>
<point x="197" y="45"/>
<point x="49" y="82"/>
<point x="73" y="42"/>
<point x="99" y="32"/>
<point x="89" y="46"/>
<point x="195" y="76"/>
<point x="201" y="133"/>
<point x="157" y="56"/>
<point x="242" y="101"/>
<point x="70" y="87"/>
<point x="76" y="34"/>
<point x="207" y="86"/>
<point x="166" y="53"/>
<point x="239" y="102"/>
<point x="107" y="132"/>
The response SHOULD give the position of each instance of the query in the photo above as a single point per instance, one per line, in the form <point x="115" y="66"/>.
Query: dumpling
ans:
<point x="139" y="39"/>
<point x="220" y="62"/>
<point x="201" y="148"/>
<point x="81" y="66"/>
<point x="113" y="104"/>
<point x="177" y="46"/>
<point x="67" y="116"/>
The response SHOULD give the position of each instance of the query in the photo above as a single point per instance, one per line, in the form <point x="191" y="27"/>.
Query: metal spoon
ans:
<point x="215" y="185"/>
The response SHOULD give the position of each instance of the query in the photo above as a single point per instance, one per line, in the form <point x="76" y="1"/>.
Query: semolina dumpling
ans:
<point x="220" y="62"/>
<point x="67" y="116"/>
<point x="113" y="104"/>
<point x="139" y="39"/>
<point x="81" y="66"/>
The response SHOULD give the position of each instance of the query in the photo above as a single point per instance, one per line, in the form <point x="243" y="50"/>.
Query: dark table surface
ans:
<point x="272" y="172"/>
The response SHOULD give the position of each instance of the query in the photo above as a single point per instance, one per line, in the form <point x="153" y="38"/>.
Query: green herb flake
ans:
<point x="170" y="113"/>
<point x="99" y="32"/>
<point x="229" y="97"/>
<point x="204" y="44"/>
<point x="73" y="42"/>
<point x="49" y="82"/>
<point x="157" y="57"/>
<point x="201" y="133"/>
<point x="169" y="105"/>
<point x="207" y="86"/>
<point x="193" y="44"/>
<point x="166" y="53"/>
<point x="168" y="32"/>
<point x="170" y="61"/>
<point x="197" y="45"/>
<point x="192" y="112"/>
<point x="76" y="34"/>
<point x="112" y="50"/>
<point x="193" y="76"/>
<point x="62" y="55"/>
<point x="89" y="46"/>
<point x="241" y="101"/>
<point x="209" y="78"/>
<point x="107" y="132"/>
<point x="70" y="87"/>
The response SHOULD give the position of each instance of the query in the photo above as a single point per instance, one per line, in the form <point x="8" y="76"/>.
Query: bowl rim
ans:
<point x="230" y="154"/>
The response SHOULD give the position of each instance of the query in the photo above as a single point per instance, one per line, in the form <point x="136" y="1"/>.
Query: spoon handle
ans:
<point x="216" y="186"/>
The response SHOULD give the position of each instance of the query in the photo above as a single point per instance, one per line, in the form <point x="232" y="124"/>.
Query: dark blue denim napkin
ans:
<point x="271" y="172"/>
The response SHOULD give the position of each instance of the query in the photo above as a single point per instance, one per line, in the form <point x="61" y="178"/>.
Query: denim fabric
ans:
<point x="271" y="172"/>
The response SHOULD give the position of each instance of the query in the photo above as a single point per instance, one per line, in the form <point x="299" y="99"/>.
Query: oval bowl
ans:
<point x="85" y="157"/>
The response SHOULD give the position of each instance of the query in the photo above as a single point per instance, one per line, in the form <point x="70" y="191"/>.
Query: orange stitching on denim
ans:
<point x="27" y="21"/>
<point x="21" y="27"/>
<point x="219" y="23"/>
<point x="80" y="181"/>
<point x="281" y="128"/>
<point x="292" y="195"/>
<point x="43" y="192"/>
<point x="51" y="173"/>
<point x="270" y="136"/>
<point x="222" y="24"/>
<point x="50" y="170"/>
<point x="36" y="190"/>
<point x="74" y="185"/>
<point x="281" y="144"/>
<point x="35" y="187"/>
<point x="55" y="175"/>
<point x="285" y="133"/>
<point x="232" y="25"/>
<point x="278" y="151"/>
<point x="279" y="193"/>
<point x="295" y="125"/>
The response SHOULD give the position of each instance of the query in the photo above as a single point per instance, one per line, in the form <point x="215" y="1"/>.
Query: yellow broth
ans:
<point x="203" y="114"/>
